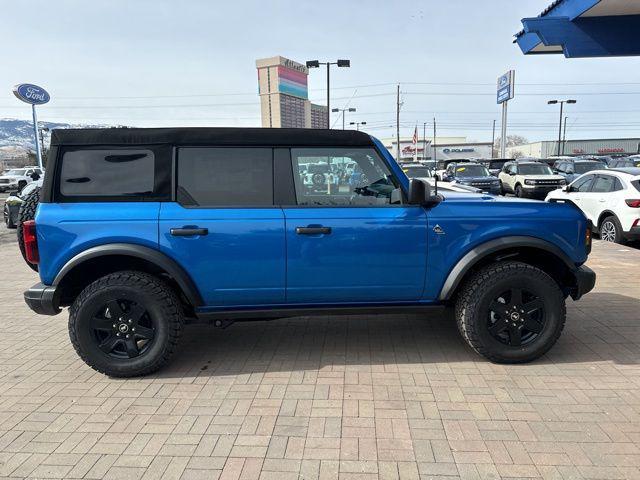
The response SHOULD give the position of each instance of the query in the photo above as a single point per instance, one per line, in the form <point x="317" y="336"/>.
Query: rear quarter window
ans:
<point x="112" y="174"/>
<point x="636" y="184"/>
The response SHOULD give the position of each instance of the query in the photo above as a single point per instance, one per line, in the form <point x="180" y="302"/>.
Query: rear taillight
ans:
<point x="30" y="242"/>
<point x="588" y="238"/>
<point x="633" y="203"/>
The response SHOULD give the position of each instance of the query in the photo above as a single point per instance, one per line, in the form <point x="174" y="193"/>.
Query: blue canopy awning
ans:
<point x="583" y="28"/>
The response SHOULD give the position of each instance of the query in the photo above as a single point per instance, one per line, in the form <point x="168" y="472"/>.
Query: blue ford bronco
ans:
<point x="141" y="231"/>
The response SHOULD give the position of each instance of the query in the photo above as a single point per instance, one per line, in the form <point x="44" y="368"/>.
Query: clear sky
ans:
<point x="192" y="62"/>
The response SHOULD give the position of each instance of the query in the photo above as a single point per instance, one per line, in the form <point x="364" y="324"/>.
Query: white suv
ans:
<point x="529" y="179"/>
<point x="610" y="199"/>
<point x="18" y="178"/>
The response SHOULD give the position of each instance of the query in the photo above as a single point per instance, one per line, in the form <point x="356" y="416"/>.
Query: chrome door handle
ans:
<point x="313" y="230"/>
<point x="188" y="231"/>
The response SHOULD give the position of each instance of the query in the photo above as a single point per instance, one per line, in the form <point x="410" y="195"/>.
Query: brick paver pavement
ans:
<point x="352" y="398"/>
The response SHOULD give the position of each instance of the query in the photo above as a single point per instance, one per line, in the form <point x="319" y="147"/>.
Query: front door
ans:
<point x="224" y="228"/>
<point x="351" y="239"/>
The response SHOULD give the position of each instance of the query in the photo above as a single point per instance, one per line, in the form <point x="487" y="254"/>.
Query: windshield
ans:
<point x="534" y="169"/>
<point x="587" y="167"/>
<point x="417" y="172"/>
<point x="472" y="171"/>
<point x="16" y="171"/>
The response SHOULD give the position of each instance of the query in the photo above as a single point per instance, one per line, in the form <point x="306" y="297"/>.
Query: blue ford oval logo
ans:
<point x="32" y="94"/>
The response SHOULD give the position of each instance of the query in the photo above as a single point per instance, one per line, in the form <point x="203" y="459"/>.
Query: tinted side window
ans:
<point x="108" y="172"/>
<point x="603" y="183"/>
<point x="343" y="176"/>
<point x="224" y="177"/>
<point x="583" y="184"/>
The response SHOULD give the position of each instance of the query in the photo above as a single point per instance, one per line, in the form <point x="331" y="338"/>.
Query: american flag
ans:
<point x="415" y="136"/>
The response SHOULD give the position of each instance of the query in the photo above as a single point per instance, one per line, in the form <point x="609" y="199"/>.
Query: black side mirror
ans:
<point x="420" y="194"/>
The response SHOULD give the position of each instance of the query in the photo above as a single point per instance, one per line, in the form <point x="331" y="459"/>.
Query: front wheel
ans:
<point x="519" y="192"/>
<point x="510" y="312"/>
<point x="126" y="324"/>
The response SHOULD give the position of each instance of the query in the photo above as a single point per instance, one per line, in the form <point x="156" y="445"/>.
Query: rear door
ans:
<point x="600" y="198"/>
<point x="353" y="241"/>
<point x="224" y="228"/>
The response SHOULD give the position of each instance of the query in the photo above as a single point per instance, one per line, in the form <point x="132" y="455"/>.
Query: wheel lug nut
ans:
<point x="127" y="336"/>
<point x="133" y="329"/>
<point x="117" y="334"/>
<point x="114" y="325"/>
<point x="130" y="320"/>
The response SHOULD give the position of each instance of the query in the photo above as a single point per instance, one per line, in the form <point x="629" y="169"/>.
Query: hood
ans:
<point x="544" y="177"/>
<point x="489" y="179"/>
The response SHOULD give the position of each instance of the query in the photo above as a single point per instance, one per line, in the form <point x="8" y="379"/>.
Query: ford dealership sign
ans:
<point x="32" y="94"/>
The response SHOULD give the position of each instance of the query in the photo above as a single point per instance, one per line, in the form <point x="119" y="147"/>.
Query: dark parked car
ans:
<point x="494" y="165"/>
<point x="571" y="169"/>
<point x="418" y="171"/>
<point x="473" y="175"/>
<point x="630" y="162"/>
<point x="140" y="231"/>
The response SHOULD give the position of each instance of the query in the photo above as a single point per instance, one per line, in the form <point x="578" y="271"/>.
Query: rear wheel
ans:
<point x="26" y="212"/>
<point x="611" y="230"/>
<point x="510" y="312"/>
<point x="126" y="324"/>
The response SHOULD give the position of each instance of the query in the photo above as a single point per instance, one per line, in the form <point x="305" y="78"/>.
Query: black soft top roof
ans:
<point x="211" y="136"/>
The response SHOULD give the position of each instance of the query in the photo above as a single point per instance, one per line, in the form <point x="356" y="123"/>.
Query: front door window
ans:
<point x="343" y="177"/>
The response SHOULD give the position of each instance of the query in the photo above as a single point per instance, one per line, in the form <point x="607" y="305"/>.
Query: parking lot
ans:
<point x="333" y="397"/>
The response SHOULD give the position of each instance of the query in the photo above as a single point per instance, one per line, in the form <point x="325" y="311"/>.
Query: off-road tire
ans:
<point x="503" y="192"/>
<point x="477" y="292"/>
<point x="156" y="296"/>
<point x="26" y="212"/>
<point x="613" y="220"/>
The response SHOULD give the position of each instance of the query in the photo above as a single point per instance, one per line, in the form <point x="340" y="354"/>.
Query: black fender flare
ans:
<point x="145" y="253"/>
<point x="472" y="257"/>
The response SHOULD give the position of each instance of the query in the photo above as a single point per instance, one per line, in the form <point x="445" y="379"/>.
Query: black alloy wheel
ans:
<point x="123" y="329"/>
<point x="516" y="317"/>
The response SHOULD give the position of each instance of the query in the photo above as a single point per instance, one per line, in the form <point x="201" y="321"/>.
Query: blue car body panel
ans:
<point x="469" y="221"/>
<point x="67" y="229"/>
<point x="375" y="254"/>
<point x="241" y="261"/>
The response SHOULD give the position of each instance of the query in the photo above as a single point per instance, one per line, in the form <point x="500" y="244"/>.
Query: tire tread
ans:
<point x="470" y="294"/>
<point x="151" y="285"/>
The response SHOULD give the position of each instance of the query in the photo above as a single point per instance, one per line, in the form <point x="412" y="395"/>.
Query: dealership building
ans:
<point x="284" y="96"/>
<point x="606" y="146"/>
<point x="445" y="148"/>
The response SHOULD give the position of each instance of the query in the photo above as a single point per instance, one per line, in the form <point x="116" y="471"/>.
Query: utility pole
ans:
<point x="424" y="141"/>
<point x="493" y="139"/>
<point x="398" y="124"/>
<point x="435" y="159"/>
<point x="564" y="135"/>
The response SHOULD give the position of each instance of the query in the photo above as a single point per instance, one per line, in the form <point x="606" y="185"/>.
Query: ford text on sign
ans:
<point x="32" y="94"/>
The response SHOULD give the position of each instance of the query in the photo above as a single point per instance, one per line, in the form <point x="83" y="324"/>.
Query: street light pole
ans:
<point x="357" y="124"/>
<point x="343" y="110"/>
<point x="561" y="102"/>
<point x="316" y="64"/>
